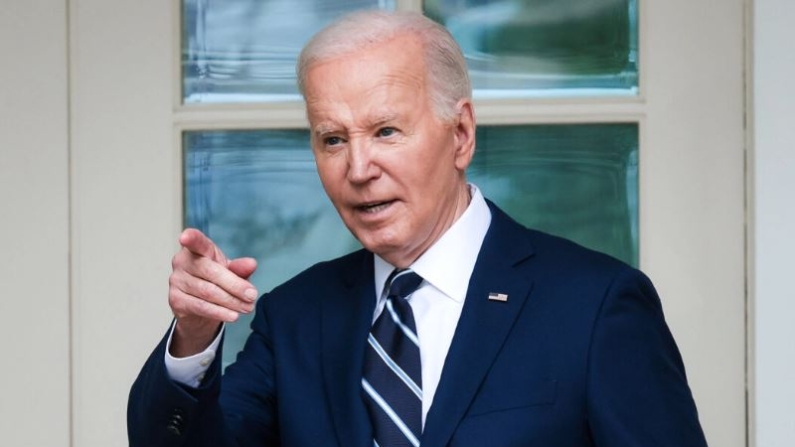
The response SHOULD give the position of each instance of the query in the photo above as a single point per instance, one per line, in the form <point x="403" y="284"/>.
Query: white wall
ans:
<point x="34" y="224"/>
<point x="773" y="235"/>
<point x="125" y="202"/>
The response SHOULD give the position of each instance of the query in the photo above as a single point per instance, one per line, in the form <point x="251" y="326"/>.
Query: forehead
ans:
<point x="395" y="51"/>
<point x="377" y="78"/>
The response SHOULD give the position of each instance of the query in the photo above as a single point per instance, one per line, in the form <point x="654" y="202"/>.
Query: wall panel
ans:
<point x="773" y="243"/>
<point x="125" y="181"/>
<point x="34" y="224"/>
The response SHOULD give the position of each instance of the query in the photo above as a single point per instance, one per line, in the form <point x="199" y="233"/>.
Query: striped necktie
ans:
<point x="392" y="379"/>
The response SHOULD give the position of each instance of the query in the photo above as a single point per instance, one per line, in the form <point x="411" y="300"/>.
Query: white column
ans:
<point x="773" y="234"/>
<point x="126" y="176"/>
<point x="34" y="224"/>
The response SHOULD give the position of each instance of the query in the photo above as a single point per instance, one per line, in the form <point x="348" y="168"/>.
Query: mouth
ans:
<point x="374" y="207"/>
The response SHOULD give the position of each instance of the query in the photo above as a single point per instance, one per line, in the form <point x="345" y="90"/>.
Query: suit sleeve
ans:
<point x="637" y="388"/>
<point x="164" y="413"/>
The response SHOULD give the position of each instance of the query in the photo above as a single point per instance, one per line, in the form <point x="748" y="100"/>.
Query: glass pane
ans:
<point x="256" y="193"/>
<point x="245" y="50"/>
<point x="545" y="47"/>
<point x="576" y="181"/>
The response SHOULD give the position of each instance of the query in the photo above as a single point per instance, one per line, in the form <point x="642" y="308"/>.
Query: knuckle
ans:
<point x="204" y="309"/>
<point x="194" y="307"/>
<point x="173" y="293"/>
<point x="177" y="305"/>
<point x="207" y="290"/>
<point x="207" y="269"/>
<point x="178" y="260"/>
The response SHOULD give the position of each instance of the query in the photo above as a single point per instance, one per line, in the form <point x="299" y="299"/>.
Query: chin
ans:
<point x="380" y="247"/>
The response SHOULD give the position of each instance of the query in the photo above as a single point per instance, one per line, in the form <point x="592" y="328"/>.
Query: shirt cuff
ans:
<point x="190" y="371"/>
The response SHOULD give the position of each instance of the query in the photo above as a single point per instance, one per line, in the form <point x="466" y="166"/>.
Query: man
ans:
<point x="507" y="337"/>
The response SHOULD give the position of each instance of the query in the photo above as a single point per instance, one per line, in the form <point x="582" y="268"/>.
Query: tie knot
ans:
<point x="403" y="283"/>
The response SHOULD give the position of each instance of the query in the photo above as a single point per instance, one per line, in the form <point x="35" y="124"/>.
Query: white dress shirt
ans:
<point x="445" y="268"/>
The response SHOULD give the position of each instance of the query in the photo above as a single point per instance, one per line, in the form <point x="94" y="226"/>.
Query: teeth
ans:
<point x="375" y="207"/>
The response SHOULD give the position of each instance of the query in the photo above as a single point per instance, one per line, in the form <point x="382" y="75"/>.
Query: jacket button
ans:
<point x="175" y="424"/>
<point x="174" y="430"/>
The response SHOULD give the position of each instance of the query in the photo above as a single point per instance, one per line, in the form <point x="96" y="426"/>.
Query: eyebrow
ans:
<point x="383" y="118"/>
<point x="378" y="119"/>
<point x="322" y="129"/>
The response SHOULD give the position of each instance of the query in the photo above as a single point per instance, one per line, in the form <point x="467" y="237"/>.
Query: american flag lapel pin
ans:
<point x="498" y="297"/>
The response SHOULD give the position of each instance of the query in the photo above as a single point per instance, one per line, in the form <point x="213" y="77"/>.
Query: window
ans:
<point x="252" y="186"/>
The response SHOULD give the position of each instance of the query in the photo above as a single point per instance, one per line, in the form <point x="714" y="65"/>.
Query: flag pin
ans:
<point x="498" y="297"/>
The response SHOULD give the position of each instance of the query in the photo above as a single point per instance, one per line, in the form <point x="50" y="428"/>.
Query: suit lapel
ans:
<point x="346" y="318"/>
<point x="483" y="326"/>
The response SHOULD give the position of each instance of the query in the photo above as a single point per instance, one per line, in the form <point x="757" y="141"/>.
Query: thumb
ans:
<point x="242" y="267"/>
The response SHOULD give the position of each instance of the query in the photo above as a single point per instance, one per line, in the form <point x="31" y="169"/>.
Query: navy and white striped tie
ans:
<point x="392" y="379"/>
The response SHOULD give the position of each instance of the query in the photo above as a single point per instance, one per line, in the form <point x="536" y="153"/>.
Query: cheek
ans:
<point x="438" y="173"/>
<point x="328" y="171"/>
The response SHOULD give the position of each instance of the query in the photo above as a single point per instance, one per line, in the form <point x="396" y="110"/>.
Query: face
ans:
<point x="394" y="171"/>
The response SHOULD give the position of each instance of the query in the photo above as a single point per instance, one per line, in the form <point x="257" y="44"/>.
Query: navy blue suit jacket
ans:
<point x="579" y="355"/>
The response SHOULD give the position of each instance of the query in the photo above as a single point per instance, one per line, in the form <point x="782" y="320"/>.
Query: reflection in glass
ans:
<point x="245" y="50"/>
<point x="576" y="181"/>
<point x="256" y="193"/>
<point x="545" y="47"/>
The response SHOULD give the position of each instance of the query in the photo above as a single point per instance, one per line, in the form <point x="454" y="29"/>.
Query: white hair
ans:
<point x="448" y="79"/>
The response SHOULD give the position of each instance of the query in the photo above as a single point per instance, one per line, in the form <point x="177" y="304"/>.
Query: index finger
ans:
<point x="197" y="243"/>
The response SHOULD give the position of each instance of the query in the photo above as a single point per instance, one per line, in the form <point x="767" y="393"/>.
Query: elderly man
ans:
<point x="454" y="326"/>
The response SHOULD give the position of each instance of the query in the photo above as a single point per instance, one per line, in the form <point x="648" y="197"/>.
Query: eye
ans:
<point x="386" y="131"/>
<point x="333" y="141"/>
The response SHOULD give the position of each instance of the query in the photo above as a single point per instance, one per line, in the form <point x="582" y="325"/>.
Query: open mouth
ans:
<point x="375" y="207"/>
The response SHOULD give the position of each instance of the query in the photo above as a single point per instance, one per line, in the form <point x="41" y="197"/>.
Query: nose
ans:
<point x="362" y="165"/>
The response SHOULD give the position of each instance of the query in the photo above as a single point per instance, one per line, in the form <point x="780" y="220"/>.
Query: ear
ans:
<point x="464" y="134"/>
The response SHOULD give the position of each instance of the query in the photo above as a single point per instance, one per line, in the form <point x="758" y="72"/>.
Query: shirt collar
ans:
<point x="448" y="264"/>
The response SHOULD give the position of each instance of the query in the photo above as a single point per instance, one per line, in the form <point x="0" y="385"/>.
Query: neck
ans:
<point x="462" y="199"/>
